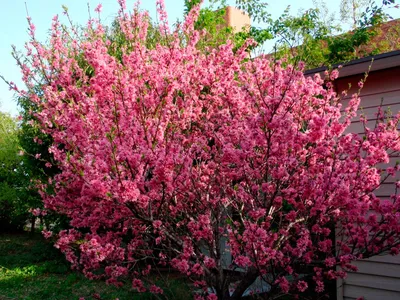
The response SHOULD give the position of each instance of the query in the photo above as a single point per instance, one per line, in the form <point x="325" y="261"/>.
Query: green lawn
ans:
<point x="31" y="268"/>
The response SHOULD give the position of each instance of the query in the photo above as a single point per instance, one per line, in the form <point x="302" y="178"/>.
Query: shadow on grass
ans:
<point x="32" y="269"/>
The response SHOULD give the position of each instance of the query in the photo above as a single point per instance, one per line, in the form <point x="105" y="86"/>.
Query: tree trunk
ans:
<point x="244" y="284"/>
<point x="33" y="220"/>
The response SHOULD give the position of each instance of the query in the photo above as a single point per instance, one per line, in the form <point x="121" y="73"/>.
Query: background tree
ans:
<point x="316" y="40"/>
<point x="37" y="166"/>
<point x="355" y="44"/>
<point x="21" y="147"/>
<point x="352" y="10"/>
<point x="212" y="20"/>
<point x="13" y="213"/>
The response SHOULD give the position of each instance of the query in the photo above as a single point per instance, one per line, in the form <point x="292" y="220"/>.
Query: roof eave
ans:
<point x="360" y="66"/>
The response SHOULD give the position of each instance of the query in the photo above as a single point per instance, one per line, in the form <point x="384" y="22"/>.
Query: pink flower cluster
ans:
<point x="177" y="156"/>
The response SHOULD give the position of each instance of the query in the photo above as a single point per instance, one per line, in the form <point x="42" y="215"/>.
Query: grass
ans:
<point x="32" y="269"/>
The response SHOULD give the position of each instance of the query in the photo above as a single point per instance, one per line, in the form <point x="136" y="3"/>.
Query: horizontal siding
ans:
<point x="378" y="278"/>
<point x="357" y="127"/>
<point x="392" y="161"/>
<point x="377" y="82"/>
<point x="378" y="268"/>
<point x="386" y="189"/>
<point x="355" y="291"/>
<point x="386" y="259"/>
<point x="380" y="90"/>
<point x="371" y="112"/>
<point x="388" y="98"/>
<point x="373" y="281"/>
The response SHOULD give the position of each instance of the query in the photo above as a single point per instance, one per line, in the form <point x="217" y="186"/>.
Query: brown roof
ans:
<point x="386" y="39"/>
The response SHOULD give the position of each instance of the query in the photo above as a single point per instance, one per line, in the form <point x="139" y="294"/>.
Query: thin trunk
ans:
<point x="244" y="284"/>
<point x="223" y="290"/>
<point x="354" y="14"/>
<point x="33" y="220"/>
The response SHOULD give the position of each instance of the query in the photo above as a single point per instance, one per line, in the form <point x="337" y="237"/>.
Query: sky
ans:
<point x="13" y="26"/>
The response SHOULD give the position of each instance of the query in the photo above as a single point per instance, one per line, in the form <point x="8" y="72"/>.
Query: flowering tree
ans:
<point x="224" y="168"/>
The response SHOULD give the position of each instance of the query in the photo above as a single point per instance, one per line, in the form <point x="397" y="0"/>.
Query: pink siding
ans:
<point x="378" y="277"/>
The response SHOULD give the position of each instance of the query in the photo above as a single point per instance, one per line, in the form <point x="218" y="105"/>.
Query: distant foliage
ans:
<point x="315" y="38"/>
<point x="13" y="214"/>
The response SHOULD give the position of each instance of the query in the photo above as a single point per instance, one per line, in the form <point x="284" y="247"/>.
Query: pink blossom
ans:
<point x="283" y="284"/>
<point x="156" y="290"/>
<point x="212" y="297"/>
<point x="47" y="234"/>
<point x="334" y="74"/>
<point x="182" y="157"/>
<point x="98" y="8"/>
<point x="157" y="224"/>
<point x="36" y="212"/>
<point x="302" y="285"/>
<point x="138" y="285"/>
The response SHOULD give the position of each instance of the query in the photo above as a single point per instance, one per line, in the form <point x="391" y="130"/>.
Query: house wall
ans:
<point x="378" y="278"/>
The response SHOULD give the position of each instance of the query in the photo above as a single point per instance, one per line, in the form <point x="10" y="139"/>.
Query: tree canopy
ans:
<point x="12" y="213"/>
<point x="225" y="168"/>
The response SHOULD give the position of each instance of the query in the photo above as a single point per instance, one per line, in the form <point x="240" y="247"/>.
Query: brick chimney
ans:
<point x="237" y="19"/>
